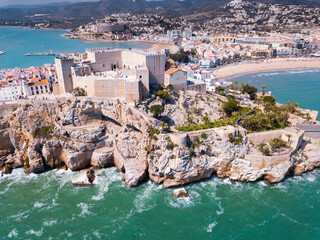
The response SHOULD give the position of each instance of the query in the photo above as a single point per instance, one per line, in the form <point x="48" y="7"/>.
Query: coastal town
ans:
<point x="176" y="94"/>
<point x="171" y="119"/>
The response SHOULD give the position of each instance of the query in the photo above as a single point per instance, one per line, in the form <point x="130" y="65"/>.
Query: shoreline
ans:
<point x="230" y="71"/>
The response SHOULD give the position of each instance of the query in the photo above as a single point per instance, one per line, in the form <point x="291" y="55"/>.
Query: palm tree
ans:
<point x="308" y="117"/>
<point x="263" y="89"/>
<point x="289" y="138"/>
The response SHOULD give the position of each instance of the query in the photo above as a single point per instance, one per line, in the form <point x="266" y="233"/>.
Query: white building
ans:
<point x="35" y="88"/>
<point x="10" y="92"/>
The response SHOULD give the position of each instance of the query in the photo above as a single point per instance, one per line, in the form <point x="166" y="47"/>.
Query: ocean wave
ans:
<point x="36" y="233"/>
<point x="14" y="233"/>
<point x="144" y="200"/>
<point x="302" y="71"/>
<point x="84" y="209"/>
<point x="38" y="205"/>
<point x="221" y="210"/>
<point x="193" y="199"/>
<point x="211" y="226"/>
<point x="266" y="74"/>
<point x="104" y="178"/>
<point x="20" y="216"/>
<point x="97" y="234"/>
<point x="50" y="223"/>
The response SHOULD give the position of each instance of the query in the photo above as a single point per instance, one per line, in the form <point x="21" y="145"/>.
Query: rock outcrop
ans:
<point x="86" y="177"/>
<point x="82" y="134"/>
<point x="103" y="157"/>
<point x="180" y="192"/>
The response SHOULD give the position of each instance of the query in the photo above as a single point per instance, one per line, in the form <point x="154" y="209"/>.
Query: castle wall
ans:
<point x="64" y="75"/>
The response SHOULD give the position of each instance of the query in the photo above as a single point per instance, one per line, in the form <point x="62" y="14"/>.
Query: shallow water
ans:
<point x="299" y="85"/>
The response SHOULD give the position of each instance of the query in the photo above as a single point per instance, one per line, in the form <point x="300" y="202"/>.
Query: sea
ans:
<point x="15" y="42"/>
<point x="48" y="206"/>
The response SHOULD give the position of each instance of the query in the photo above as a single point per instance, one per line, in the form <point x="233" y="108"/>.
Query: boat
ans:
<point x="1" y="53"/>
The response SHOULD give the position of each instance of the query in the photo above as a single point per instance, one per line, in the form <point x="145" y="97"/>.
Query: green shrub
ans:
<point x="203" y="135"/>
<point x="277" y="143"/>
<point x="42" y="132"/>
<point x="156" y="110"/>
<point x="266" y="152"/>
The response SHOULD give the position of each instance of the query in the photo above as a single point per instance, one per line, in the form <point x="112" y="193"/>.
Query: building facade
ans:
<point x="113" y="73"/>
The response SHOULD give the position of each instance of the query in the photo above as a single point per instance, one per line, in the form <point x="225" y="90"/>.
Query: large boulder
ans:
<point x="52" y="153"/>
<point x="135" y="172"/>
<point x="86" y="177"/>
<point x="77" y="160"/>
<point x="103" y="157"/>
<point x="36" y="163"/>
<point x="180" y="192"/>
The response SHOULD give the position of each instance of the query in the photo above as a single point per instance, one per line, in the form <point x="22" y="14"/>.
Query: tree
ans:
<point x="236" y="83"/>
<point x="251" y="90"/>
<point x="163" y="94"/>
<point x="289" y="137"/>
<point x="263" y="89"/>
<point x="269" y="99"/>
<point x="156" y="110"/>
<point x="169" y="87"/>
<point x="230" y="106"/>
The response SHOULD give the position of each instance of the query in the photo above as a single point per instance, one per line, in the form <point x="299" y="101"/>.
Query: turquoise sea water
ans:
<point x="18" y="41"/>
<point x="298" y="85"/>
<point x="48" y="206"/>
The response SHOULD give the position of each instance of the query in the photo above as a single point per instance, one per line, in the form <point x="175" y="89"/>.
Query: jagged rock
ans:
<point x="52" y="153"/>
<point x="86" y="177"/>
<point x="35" y="159"/>
<point x="135" y="172"/>
<point x="7" y="169"/>
<point x="180" y="192"/>
<point x="6" y="146"/>
<point x="103" y="157"/>
<point x="77" y="160"/>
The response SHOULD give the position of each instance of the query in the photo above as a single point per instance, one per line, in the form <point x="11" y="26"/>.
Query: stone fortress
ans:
<point x="111" y="73"/>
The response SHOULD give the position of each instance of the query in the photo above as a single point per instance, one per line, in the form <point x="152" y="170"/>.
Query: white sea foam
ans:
<point x="84" y="209"/>
<point x="97" y="234"/>
<point x="267" y="74"/>
<point x="38" y="205"/>
<point x="50" y="223"/>
<point x="106" y="178"/>
<point x="36" y="233"/>
<point x="13" y="233"/>
<point x="221" y="210"/>
<point x="18" y="217"/>
<point x="144" y="201"/>
<point x="211" y="226"/>
<point x="184" y="202"/>
<point x="302" y="71"/>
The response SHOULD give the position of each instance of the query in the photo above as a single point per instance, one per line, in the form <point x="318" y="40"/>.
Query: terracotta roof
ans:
<point x="172" y="70"/>
<point x="41" y="82"/>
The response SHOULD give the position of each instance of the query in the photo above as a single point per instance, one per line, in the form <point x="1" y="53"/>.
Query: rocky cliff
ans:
<point x="78" y="134"/>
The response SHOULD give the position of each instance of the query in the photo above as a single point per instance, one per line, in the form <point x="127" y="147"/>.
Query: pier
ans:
<point x="44" y="54"/>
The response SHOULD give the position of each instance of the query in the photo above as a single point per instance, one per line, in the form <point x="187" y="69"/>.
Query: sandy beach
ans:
<point x="274" y="64"/>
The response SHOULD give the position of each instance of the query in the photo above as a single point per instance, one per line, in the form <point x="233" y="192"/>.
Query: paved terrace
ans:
<point x="311" y="130"/>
